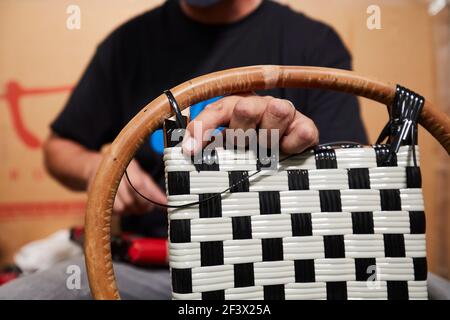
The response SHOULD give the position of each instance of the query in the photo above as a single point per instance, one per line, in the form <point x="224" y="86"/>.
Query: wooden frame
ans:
<point x="115" y="160"/>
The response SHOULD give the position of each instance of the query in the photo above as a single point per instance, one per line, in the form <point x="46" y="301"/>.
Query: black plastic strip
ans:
<point x="244" y="275"/>
<point x="238" y="181"/>
<point x="181" y="123"/>
<point x="211" y="253"/>
<point x="358" y="178"/>
<point x="269" y="202"/>
<point x="274" y="292"/>
<point x="417" y="222"/>
<point x="384" y="156"/>
<point x="334" y="246"/>
<point x="304" y="271"/>
<point x="301" y="224"/>
<point x="330" y="200"/>
<point x="405" y="115"/>
<point x="337" y="290"/>
<point x="242" y="227"/>
<point x="390" y="200"/>
<point x="209" y="161"/>
<point x="362" y="223"/>
<point x="272" y="249"/>
<point x="413" y="177"/>
<point x="180" y="231"/>
<point x="420" y="269"/>
<point x="210" y="205"/>
<point x="173" y="135"/>
<point x="181" y="280"/>
<point x="363" y="268"/>
<point x="325" y="158"/>
<point x="298" y="179"/>
<point x="397" y="290"/>
<point x="178" y="182"/>
<point x="394" y="245"/>
<point x="213" y="295"/>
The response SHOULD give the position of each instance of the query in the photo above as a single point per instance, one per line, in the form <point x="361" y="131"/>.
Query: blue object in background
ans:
<point x="157" y="138"/>
<point x="157" y="141"/>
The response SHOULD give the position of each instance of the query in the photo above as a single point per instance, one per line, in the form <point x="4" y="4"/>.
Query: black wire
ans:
<point x="229" y="188"/>
<point x="190" y="203"/>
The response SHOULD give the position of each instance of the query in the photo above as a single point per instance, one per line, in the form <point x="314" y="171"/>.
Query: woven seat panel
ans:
<point x="328" y="224"/>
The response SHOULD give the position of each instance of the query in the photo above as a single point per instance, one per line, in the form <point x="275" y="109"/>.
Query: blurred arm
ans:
<point x="69" y="162"/>
<point x="75" y="166"/>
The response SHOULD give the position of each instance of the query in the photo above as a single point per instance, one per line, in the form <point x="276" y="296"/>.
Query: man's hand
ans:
<point x="127" y="200"/>
<point x="248" y="111"/>
<point x="75" y="167"/>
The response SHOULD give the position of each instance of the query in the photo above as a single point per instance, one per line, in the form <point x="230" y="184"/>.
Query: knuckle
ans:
<point x="308" y="133"/>
<point x="214" y="107"/>
<point x="246" y="110"/>
<point x="279" y="108"/>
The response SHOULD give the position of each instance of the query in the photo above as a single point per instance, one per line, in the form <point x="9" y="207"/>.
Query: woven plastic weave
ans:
<point x="332" y="223"/>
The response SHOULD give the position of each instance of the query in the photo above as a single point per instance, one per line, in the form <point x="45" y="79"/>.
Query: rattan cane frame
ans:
<point x="104" y="187"/>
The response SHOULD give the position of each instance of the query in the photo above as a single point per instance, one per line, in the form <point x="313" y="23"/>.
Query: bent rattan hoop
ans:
<point x="103" y="190"/>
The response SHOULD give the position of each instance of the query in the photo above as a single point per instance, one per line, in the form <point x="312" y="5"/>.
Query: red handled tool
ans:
<point x="131" y="248"/>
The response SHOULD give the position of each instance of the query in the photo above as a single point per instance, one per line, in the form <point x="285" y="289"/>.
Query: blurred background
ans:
<point x="41" y="60"/>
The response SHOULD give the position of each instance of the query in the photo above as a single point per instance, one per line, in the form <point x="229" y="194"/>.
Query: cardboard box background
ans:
<point x="38" y="53"/>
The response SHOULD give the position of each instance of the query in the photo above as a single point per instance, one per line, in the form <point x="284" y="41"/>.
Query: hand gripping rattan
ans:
<point x="115" y="160"/>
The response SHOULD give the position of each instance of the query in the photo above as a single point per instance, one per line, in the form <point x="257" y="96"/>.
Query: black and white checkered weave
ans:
<point x="333" y="223"/>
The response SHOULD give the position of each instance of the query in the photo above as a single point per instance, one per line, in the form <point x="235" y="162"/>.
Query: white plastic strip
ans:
<point x="274" y="272"/>
<point x="301" y="201"/>
<point x="412" y="199"/>
<point x="395" y="269"/>
<point x="360" y="200"/>
<point x="342" y="269"/>
<point x="271" y="226"/>
<point x="364" y="245"/>
<point x="306" y="291"/>
<point x="387" y="178"/>
<point x="242" y="251"/>
<point x="245" y="293"/>
<point x="212" y="278"/>
<point x="328" y="179"/>
<point x="415" y="245"/>
<point x="211" y="229"/>
<point x="331" y="223"/>
<point x="363" y="290"/>
<point x="303" y="248"/>
<point x="391" y="222"/>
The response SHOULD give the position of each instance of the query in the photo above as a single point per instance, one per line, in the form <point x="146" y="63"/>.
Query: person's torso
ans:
<point x="163" y="48"/>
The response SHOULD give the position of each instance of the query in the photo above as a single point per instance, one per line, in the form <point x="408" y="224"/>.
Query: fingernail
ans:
<point x="190" y="144"/>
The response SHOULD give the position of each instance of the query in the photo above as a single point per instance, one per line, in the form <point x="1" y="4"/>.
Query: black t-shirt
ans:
<point x="163" y="48"/>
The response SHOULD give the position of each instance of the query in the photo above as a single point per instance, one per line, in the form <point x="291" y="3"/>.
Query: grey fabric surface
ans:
<point x="438" y="288"/>
<point x="133" y="283"/>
